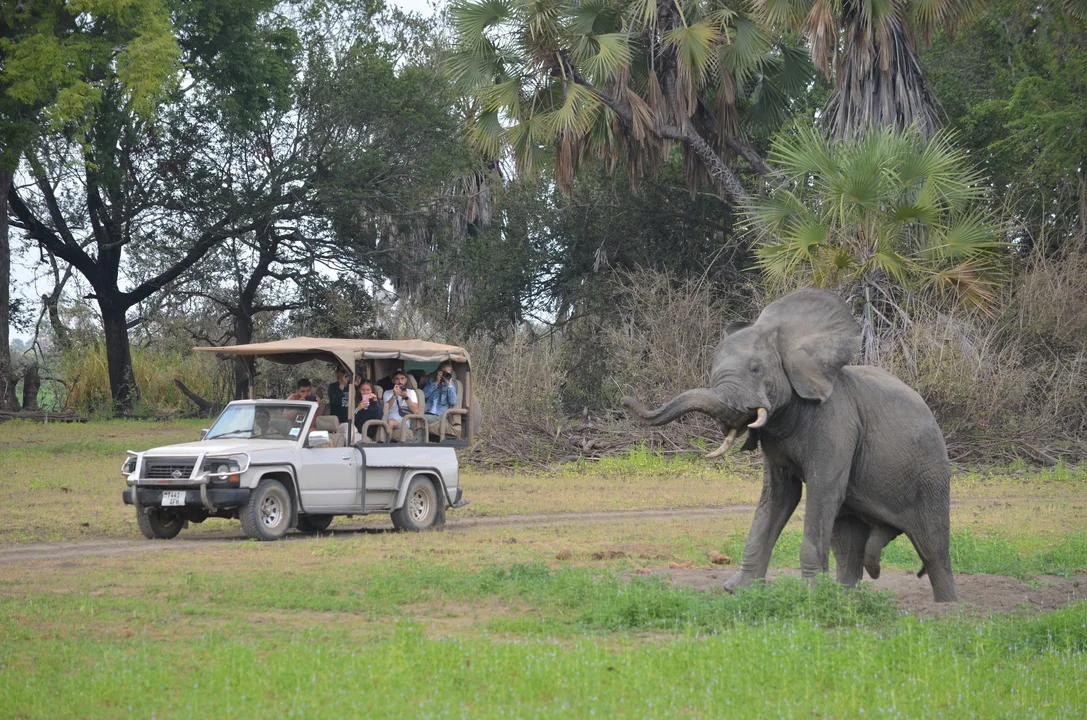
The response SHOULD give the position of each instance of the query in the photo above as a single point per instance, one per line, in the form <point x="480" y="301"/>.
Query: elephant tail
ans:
<point x="700" y="400"/>
<point x="921" y="572"/>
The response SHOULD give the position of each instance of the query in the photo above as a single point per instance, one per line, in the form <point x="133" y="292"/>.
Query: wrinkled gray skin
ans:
<point x="865" y="444"/>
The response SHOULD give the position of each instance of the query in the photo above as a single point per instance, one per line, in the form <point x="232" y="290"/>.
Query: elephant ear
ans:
<point x="816" y="337"/>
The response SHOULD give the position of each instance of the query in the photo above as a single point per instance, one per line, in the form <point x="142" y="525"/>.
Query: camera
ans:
<point x="447" y="375"/>
<point x="311" y="398"/>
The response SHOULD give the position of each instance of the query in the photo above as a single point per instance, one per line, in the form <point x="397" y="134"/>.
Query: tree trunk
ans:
<point x="8" y="401"/>
<point x="243" y="335"/>
<point x="878" y="83"/>
<point x="206" y="406"/>
<point x="32" y="382"/>
<point x="118" y="356"/>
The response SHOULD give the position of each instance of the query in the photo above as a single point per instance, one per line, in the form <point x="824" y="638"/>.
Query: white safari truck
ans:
<point x="277" y="464"/>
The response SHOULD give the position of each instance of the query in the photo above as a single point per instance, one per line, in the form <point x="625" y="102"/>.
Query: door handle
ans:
<point x="346" y="457"/>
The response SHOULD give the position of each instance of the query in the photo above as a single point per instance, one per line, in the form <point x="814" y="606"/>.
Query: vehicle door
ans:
<point x="329" y="478"/>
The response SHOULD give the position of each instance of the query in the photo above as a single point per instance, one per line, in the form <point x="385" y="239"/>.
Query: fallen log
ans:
<point x="41" y="416"/>
<point x="207" y="407"/>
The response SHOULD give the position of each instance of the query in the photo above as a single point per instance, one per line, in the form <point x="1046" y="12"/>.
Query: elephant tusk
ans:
<point x="760" y="420"/>
<point x="724" y="446"/>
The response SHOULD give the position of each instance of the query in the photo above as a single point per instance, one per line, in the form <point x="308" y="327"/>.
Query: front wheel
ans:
<point x="157" y="525"/>
<point x="267" y="515"/>
<point x="420" y="510"/>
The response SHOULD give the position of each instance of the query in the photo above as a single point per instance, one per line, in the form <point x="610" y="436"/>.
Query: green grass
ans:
<point x="995" y="553"/>
<point x="782" y="670"/>
<point x="565" y="601"/>
<point x="567" y="643"/>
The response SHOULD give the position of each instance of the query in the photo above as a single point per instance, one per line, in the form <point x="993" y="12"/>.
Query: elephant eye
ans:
<point x="755" y="368"/>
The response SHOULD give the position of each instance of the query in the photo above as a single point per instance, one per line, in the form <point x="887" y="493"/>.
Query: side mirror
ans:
<point x="203" y="433"/>
<point x="318" y="439"/>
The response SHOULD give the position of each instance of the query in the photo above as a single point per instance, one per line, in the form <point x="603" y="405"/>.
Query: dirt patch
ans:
<point x="979" y="594"/>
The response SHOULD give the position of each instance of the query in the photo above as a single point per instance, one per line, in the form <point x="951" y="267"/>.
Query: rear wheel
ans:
<point x="314" y="523"/>
<point x="157" y="525"/>
<point x="267" y="515"/>
<point x="420" y="510"/>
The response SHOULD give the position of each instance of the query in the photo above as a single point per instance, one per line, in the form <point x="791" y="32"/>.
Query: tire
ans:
<point x="157" y="525"/>
<point x="420" y="510"/>
<point x="267" y="515"/>
<point x="314" y="523"/>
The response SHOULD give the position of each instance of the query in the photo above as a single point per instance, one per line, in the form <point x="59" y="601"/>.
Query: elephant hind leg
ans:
<point x="848" y="542"/>
<point x="933" y="547"/>
<point x="878" y="539"/>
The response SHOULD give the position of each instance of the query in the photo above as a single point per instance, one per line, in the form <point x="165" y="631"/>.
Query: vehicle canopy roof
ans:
<point x="302" y="349"/>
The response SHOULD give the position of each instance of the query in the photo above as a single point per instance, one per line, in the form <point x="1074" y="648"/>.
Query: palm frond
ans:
<point x="930" y="15"/>
<point x="747" y="45"/>
<point x="821" y="27"/>
<point x="694" y="45"/>
<point x="485" y="134"/>
<point x="593" y="17"/>
<point x="802" y="154"/>
<point x="967" y="236"/>
<point x="575" y="115"/>
<point x="1076" y="8"/>
<point x="612" y="55"/>
<point x="529" y="149"/>
<point x="504" y="95"/>
<point x="782" y="14"/>
<point x="471" y="18"/>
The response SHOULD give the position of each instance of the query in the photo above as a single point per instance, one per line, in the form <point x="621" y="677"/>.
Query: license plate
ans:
<point x="173" y="497"/>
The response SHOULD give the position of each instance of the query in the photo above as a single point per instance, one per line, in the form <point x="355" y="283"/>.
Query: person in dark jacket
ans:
<point x="368" y="407"/>
<point x="337" y="395"/>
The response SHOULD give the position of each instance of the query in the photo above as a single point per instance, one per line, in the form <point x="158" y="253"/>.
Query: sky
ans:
<point x="29" y="276"/>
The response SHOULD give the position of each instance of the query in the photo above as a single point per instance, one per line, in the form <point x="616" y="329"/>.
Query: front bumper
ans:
<point x="217" y="498"/>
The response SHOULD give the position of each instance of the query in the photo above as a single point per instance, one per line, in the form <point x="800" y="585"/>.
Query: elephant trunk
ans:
<point x="700" y="400"/>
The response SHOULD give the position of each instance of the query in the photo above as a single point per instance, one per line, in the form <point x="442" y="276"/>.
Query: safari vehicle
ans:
<point x="276" y="464"/>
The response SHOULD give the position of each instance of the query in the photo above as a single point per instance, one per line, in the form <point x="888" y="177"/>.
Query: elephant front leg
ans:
<point x="780" y="496"/>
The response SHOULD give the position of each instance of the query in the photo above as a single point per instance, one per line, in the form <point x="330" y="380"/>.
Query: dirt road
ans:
<point x="87" y="548"/>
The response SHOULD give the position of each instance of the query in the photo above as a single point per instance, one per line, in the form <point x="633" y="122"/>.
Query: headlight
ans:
<point x="129" y="465"/>
<point x="228" y="469"/>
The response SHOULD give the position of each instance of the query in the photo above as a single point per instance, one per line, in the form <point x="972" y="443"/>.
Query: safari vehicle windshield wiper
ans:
<point x="233" y="433"/>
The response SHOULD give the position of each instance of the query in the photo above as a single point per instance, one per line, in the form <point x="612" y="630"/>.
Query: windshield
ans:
<point x="259" y="422"/>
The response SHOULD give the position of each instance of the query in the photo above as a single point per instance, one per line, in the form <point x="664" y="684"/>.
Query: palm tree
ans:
<point x="868" y="49"/>
<point x="623" y="79"/>
<point x="883" y="217"/>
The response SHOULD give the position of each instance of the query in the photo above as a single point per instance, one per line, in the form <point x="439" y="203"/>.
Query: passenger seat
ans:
<point x="331" y="423"/>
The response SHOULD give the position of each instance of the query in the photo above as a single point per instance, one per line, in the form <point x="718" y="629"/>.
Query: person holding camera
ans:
<point x="368" y="407"/>
<point x="440" y="394"/>
<point x="399" y="401"/>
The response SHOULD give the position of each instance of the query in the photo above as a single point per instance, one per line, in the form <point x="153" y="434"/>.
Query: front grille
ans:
<point x="164" y="469"/>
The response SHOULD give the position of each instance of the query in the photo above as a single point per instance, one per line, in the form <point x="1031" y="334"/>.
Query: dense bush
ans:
<point x="1004" y="386"/>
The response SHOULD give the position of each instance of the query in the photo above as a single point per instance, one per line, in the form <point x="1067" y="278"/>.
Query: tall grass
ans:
<point x="86" y="376"/>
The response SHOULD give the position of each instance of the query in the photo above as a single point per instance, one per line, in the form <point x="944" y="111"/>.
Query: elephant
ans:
<point x="864" y="443"/>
